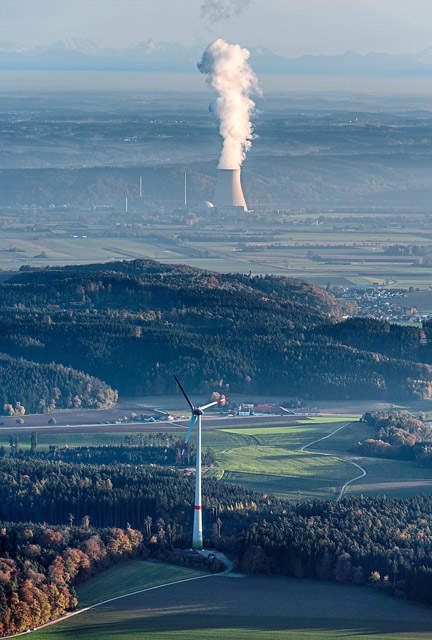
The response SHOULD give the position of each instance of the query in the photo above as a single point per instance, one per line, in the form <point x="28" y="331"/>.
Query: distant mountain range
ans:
<point x="75" y="54"/>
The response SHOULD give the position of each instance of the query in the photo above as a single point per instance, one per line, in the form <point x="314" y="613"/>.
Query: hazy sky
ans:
<point x="290" y="27"/>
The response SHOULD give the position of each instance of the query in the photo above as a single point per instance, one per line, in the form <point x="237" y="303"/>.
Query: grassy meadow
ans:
<point x="129" y="576"/>
<point x="267" y="456"/>
<point x="270" y="459"/>
<point x="248" y="608"/>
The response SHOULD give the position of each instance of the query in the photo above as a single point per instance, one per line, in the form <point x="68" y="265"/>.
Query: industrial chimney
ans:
<point x="228" y="192"/>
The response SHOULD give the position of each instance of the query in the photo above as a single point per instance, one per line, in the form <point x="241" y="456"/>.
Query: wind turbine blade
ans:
<point x="206" y="406"/>
<point x="191" y="426"/>
<point x="184" y="393"/>
<point x="283" y="409"/>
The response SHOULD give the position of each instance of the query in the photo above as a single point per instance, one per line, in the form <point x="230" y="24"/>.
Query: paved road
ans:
<point x="82" y="416"/>
<point x="39" y="423"/>
<point x="320" y="453"/>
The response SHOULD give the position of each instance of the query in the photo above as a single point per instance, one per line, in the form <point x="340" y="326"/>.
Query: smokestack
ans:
<point x="228" y="192"/>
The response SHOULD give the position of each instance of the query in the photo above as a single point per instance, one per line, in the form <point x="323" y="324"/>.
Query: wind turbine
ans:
<point x="197" y="412"/>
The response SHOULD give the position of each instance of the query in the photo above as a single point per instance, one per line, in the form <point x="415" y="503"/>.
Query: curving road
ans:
<point x="363" y="471"/>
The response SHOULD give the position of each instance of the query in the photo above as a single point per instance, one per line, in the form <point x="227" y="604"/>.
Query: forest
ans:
<point x="122" y="510"/>
<point x="399" y="435"/>
<point x="39" y="566"/>
<point x="32" y="387"/>
<point x="126" y="323"/>
<point x="163" y="449"/>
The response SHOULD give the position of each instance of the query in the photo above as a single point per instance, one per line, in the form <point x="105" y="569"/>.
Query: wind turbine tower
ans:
<point x="197" y="412"/>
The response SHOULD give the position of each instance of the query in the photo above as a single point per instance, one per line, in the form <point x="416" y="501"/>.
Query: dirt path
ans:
<point x="320" y="453"/>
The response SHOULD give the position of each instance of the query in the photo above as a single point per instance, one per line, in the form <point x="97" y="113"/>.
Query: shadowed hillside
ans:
<point x="132" y="324"/>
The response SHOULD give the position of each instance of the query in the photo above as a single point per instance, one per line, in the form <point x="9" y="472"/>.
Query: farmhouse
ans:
<point x="268" y="409"/>
<point x="245" y="409"/>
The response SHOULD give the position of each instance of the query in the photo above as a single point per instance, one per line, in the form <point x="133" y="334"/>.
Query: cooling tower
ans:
<point x="228" y="192"/>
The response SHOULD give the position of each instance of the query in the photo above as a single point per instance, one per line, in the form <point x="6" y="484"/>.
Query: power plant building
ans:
<point x="228" y="194"/>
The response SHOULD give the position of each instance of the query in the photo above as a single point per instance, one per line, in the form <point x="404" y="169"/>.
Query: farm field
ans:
<point x="337" y="248"/>
<point x="248" y="608"/>
<point x="284" y="470"/>
<point x="272" y="461"/>
<point x="129" y="576"/>
<point x="264" y="454"/>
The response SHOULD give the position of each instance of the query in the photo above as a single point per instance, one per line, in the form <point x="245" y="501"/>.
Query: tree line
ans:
<point x="383" y="542"/>
<point x="161" y="449"/>
<point x="399" y="435"/>
<point x="32" y="387"/>
<point x="40" y="565"/>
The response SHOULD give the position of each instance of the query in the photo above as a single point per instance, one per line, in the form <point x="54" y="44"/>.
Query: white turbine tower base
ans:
<point x="197" y="412"/>
<point x="197" y="536"/>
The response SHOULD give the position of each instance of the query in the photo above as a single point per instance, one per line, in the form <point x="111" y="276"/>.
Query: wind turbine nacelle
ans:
<point x="197" y="412"/>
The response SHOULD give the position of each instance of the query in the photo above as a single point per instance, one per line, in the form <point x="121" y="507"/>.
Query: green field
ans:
<point x="299" y="426"/>
<point x="121" y="627"/>
<point x="127" y="577"/>
<point x="270" y="460"/>
<point x="220" y="607"/>
<point x="284" y="470"/>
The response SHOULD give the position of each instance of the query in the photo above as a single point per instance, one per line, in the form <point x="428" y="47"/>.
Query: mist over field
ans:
<point x="322" y="151"/>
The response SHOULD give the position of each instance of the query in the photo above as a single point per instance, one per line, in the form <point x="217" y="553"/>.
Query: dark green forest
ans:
<point x="132" y="324"/>
<point x="153" y="448"/>
<point x="30" y="387"/>
<point x="100" y="514"/>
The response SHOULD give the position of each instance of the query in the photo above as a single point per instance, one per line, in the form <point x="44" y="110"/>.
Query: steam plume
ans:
<point x="228" y="71"/>
<point x="222" y="9"/>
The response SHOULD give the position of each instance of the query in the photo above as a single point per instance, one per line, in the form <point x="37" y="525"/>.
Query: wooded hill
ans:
<point x="133" y="323"/>
<point x="30" y="387"/>
<point x="383" y="542"/>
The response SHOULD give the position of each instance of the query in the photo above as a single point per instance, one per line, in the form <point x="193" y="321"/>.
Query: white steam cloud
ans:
<point x="229" y="73"/>
<point x="222" y="9"/>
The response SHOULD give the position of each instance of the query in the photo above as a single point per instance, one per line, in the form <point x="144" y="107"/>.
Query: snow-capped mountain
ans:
<point x="424" y="56"/>
<point x="84" y="55"/>
<point x="75" y="45"/>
